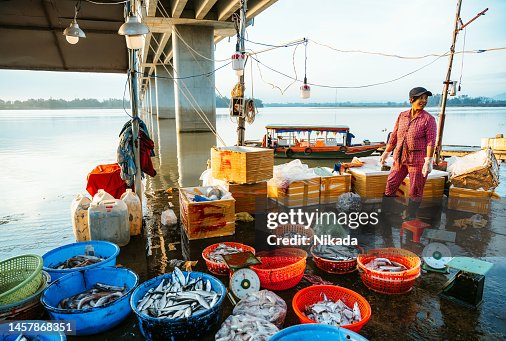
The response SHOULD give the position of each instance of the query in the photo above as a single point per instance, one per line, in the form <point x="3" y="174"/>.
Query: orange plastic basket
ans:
<point x="390" y="282"/>
<point x="221" y="268"/>
<point x="314" y="294"/>
<point x="340" y="267"/>
<point x="281" y="269"/>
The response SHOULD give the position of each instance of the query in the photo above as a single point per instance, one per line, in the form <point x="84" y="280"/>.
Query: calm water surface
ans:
<point x="46" y="155"/>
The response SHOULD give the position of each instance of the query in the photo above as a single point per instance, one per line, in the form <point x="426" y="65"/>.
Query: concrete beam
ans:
<point x="202" y="7"/>
<point x="258" y="8"/>
<point x="151" y="7"/>
<point x="199" y="89"/>
<point x="226" y="8"/>
<point x="177" y="7"/>
<point x="162" y="25"/>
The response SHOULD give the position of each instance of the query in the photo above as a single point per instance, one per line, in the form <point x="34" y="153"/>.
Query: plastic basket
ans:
<point x="29" y="308"/>
<point x="190" y="328"/>
<point x="390" y="282"/>
<point x="93" y="320"/>
<point x="222" y="268"/>
<point x="339" y="267"/>
<point x="304" y="332"/>
<point x="280" y="269"/>
<point x="103" y="249"/>
<point x="20" y="277"/>
<point x="314" y="294"/>
<point x="296" y="228"/>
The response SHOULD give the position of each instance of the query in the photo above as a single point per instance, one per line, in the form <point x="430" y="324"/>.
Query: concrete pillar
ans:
<point x="201" y="89"/>
<point x="164" y="92"/>
<point x="192" y="157"/>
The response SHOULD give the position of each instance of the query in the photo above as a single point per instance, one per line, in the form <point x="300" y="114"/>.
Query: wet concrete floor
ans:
<point x="418" y="315"/>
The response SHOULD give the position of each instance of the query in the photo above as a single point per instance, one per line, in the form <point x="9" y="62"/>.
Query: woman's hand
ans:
<point x="384" y="157"/>
<point x="427" y="166"/>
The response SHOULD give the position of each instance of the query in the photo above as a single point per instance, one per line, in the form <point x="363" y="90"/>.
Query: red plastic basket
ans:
<point x="222" y="268"/>
<point x="281" y="269"/>
<point x="314" y="294"/>
<point x="390" y="282"/>
<point x="340" y="267"/>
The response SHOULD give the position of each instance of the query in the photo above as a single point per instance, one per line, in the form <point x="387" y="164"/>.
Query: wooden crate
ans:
<point x="251" y="198"/>
<point x="206" y="219"/>
<point x="242" y="165"/>
<point x="370" y="185"/>
<point x="432" y="191"/>
<point x="469" y="200"/>
<point x="297" y="194"/>
<point x="331" y="187"/>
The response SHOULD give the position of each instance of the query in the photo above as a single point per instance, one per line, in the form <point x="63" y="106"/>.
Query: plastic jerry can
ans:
<point x="134" y="211"/>
<point x="79" y="217"/>
<point x="101" y="195"/>
<point x="109" y="221"/>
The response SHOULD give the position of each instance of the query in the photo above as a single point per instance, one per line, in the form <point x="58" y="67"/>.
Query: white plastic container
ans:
<point x="109" y="221"/>
<point x="79" y="217"/>
<point x="101" y="195"/>
<point x="134" y="211"/>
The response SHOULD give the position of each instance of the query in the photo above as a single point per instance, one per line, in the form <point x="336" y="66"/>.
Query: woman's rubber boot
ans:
<point x="412" y="209"/>
<point x="387" y="205"/>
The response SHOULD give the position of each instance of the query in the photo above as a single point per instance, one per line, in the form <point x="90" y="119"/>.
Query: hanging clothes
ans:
<point x="125" y="153"/>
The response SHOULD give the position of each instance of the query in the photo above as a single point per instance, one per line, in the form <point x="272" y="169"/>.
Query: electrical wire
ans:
<point x="207" y="74"/>
<point x="462" y="62"/>
<point x="124" y="91"/>
<point x="352" y="87"/>
<point x="276" y="46"/>
<point x="107" y="3"/>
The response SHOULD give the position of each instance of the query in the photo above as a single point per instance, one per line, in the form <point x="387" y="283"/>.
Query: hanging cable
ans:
<point x="352" y="87"/>
<point x="124" y="91"/>
<point x="207" y="74"/>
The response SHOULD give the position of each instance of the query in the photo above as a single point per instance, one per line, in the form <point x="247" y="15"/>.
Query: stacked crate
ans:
<point x="333" y="186"/>
<point x="246" y="170"/>
<point x="369" y="183"/>
<point x="206" y="219"/>
<point x="469" y="200"/>
<point x="432" y="191"/>
<point x="297" y="193"/>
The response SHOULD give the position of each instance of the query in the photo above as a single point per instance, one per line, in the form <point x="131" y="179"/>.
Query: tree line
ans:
<point x="89" y="103"/>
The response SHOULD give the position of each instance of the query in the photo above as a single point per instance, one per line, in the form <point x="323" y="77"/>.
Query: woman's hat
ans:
<point x="419" y="91"/>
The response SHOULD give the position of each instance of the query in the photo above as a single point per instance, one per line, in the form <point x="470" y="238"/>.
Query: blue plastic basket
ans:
<point x="182" y="328"/>
<point x="107" y="250"/>
<point x="92" y="320"/>
<point x="46" y="336"/>
<point x="313" y="331"/>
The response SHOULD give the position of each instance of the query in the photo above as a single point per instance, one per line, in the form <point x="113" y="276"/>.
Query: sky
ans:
<point x="405" y="28"/>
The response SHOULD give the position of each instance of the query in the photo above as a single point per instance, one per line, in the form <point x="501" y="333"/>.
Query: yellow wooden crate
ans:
<point x="242" y="165"/>
<point x="206" y="219"/>
<point x="297" y="194"/>
<point x="432" y="191"/>
<point x="332" y="187"/>
<point x="469" y="200"/>
<point x="251" y="198"/>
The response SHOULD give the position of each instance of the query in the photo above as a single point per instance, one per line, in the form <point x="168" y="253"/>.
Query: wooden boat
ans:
<point x="316" y="142"/>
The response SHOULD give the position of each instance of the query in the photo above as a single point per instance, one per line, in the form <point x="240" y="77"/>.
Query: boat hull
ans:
<point x="349" y="153"/>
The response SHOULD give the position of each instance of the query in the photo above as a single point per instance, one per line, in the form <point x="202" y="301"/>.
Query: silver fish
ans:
<point x="245" y="328"/>
<point x="263" y="304"/>
<point x="336" y="252"/>
<point x="101" y="294"/>
<point x="335" y="313"/>
<point x="385" y="264"/>
<point x="222" y="249"/>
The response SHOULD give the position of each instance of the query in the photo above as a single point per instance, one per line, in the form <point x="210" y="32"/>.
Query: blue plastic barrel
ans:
<point x="187" y="328"/>
<point x="92" y="320"/>
<point x="316" y="332"/>
<point x="107" y="250"/>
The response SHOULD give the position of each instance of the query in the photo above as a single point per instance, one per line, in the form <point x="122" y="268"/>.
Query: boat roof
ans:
<point x="305" y="127"/>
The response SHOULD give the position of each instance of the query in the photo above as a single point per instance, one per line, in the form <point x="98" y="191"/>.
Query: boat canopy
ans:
<point x="282" y="128"/>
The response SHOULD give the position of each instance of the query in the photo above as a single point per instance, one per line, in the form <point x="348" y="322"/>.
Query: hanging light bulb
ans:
<point x="73" y="32"/>
<point x="133" y="30"/>
<point x="305" y="90"/>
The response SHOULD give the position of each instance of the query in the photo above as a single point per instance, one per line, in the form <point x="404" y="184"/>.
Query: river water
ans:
<point x="46" y="155"/>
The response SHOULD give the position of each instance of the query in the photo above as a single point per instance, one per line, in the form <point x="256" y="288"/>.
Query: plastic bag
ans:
<point x="285" y="174"/>
<point x="349" y="202"/>
<point x="168" y="217"/>
<point x="207" y="179"/>
<point x="263" y="304"/>
<point x="243" y="327"/>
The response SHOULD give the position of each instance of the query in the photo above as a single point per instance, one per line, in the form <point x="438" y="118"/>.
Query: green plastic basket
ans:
<point x="20" y="277"/>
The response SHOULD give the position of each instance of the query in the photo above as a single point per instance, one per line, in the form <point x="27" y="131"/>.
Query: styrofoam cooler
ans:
<point x="108" y="220"/>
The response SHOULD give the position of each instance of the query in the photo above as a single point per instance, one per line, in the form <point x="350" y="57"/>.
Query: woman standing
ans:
<point x="413" y="138"/>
